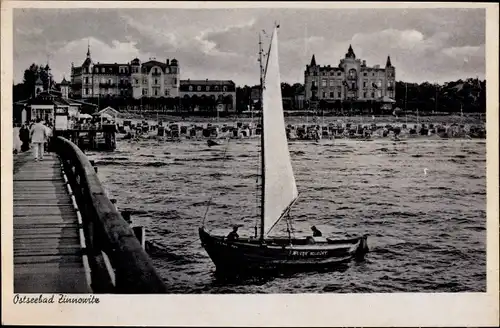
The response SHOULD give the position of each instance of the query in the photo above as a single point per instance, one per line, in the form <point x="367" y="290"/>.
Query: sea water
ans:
<point x="422" y="202"/>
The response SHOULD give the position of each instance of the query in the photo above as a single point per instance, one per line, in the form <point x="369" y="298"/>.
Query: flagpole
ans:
<point x="406" y="96"/>
<point x="436" y="100"/>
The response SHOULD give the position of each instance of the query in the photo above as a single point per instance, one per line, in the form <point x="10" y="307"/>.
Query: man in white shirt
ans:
<point x="38" y="136"/>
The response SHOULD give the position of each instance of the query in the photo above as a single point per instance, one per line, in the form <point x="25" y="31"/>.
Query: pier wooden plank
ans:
<point x="47" y="279"/>
<point x="47" y="219"/>
<point x="46" y="243"/>
<point x="48" y="257"/>
<point x="46" y="201"/>
<point x="43" y="210"/>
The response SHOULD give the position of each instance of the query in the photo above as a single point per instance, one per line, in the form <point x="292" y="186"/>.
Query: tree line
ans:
<point x="467" y="95"/>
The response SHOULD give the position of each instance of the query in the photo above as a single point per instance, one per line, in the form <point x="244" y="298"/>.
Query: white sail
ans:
<point x="280" y="189"/>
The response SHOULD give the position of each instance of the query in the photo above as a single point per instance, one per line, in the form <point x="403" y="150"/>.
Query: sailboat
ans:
<point x="278" y="194"/>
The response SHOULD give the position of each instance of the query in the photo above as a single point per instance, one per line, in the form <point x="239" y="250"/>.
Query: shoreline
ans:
<point x="474" y="119"/>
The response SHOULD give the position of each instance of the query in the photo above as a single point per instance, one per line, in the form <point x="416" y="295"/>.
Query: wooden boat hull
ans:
<point x="248" y="255"/>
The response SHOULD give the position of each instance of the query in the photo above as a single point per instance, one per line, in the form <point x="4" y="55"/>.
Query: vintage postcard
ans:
<point x="250" y="163"/>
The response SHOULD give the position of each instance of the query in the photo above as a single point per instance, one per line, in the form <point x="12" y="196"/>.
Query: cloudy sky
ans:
<point x="433" y="45"/>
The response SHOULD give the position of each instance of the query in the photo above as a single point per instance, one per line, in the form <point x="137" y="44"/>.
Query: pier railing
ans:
<point x="118" y="263"/>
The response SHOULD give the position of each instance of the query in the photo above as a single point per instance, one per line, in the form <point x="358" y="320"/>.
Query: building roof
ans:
<point x="313" y="61"/>
<point x="109" y="109"/>
<point x="64" y="82"/>
<point x="350" y="53"/>
<point x="300" y="90"/>
<point x="87" y="62"/>
<point x="387" y="99"/>
<point x="388" y="63"/>
<point x="147" y="66"/>
<point x="52" y="98"/>
<point x="207" y="82"/>
<point x="43" y="98"/>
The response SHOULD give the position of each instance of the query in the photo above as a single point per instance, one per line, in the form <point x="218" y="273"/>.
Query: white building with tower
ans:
<point x="133" y="79"/>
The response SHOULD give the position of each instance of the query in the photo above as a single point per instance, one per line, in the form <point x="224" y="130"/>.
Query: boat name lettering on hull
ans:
<point x="309" y="253"/>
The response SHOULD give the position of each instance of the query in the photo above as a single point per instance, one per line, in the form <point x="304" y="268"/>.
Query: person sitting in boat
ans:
<point x="233" y="235"/>
<point x="316" y="232"/>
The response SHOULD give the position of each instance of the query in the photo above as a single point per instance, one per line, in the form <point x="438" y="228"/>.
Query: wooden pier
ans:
<point x="48" y="252"/>
<point x="68" y="236"/>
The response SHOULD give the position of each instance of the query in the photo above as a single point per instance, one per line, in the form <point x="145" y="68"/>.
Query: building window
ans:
<point x="331" y="95"/>
<point x="323" y="83"/>
<point x="156" y="92"/>
<point x="324" y="94"/>
<point x="208" y="88"/>
<point x="373" y="94"/>
<point x="379" y="93"/>
<point x="198" y="88"/>
<point x="379" y="83"/>
<point x="174" y="81"/>
<point x="166" y="92"/>
<point x="224" y="88"/>
<point x="339" y="74"/>
<point x="136" y="81"/>
<point x="144" y="92"/>
<point x="86" y="80"/>
<point x="156" y="80"/>
<point x="216" y="88"/>
<point x="364" y="94"/>
<point x="339" y="94"/>
<point x="315" y="74"/>
<point x="190" y="88"/>
<point x="365" y="74"/>
<point x="365" y="83"/>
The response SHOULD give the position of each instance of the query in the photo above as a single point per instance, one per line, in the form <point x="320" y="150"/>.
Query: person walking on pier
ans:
<point x="24" y="136"/>
<point x="38" y="135"/>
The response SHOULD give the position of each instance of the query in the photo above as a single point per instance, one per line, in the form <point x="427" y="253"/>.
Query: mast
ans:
<point x="263" y="170"/>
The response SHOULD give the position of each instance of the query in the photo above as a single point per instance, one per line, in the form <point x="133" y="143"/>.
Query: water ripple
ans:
<point x="427" y="229"/>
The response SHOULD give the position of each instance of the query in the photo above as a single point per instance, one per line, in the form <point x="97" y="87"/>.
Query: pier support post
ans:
<point x="140" y="234"/>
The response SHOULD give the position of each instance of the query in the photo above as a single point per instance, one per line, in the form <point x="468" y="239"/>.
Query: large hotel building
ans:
<point x="352" y="80"/>
<point x="134" y="79"/>
<point x="152" y="79"/>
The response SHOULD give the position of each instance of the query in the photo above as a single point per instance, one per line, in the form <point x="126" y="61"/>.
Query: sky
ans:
<point x="435" y="45"/>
